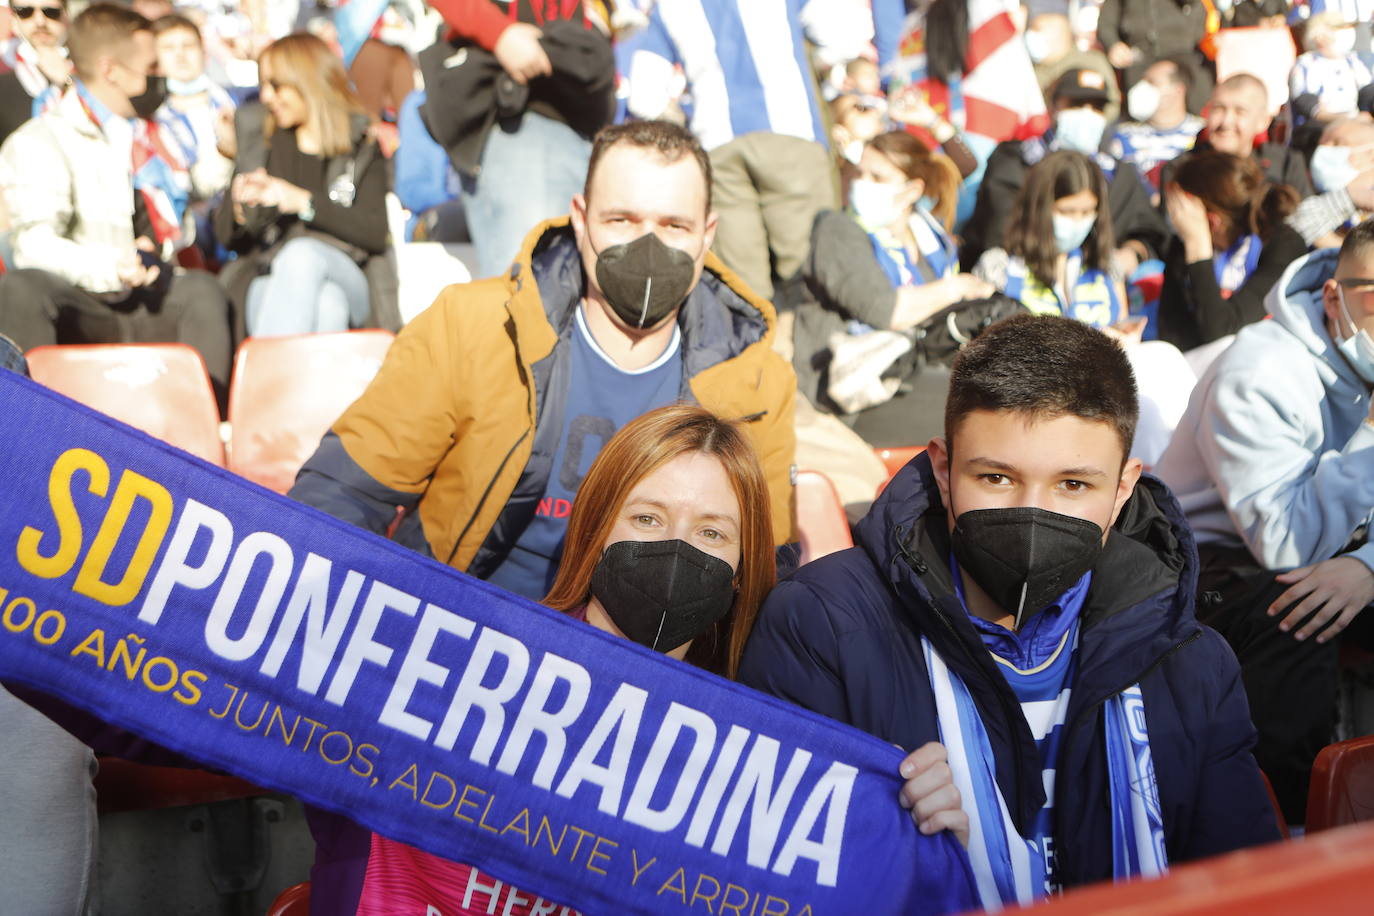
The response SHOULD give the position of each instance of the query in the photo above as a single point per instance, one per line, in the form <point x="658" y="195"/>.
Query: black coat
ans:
<point x="467" y="91"/>
<point x="842" y="637"/>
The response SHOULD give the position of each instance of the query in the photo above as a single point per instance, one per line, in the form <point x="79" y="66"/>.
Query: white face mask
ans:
<point x="853" y="151"/>
<point x="1331" y="167"/>
<point x="875" y="203"/>
<point x="1342" y="43"/>
<point x="1359" y="346"/>
<point x="1142" y="101"/>
<point x="1037" y="46"/>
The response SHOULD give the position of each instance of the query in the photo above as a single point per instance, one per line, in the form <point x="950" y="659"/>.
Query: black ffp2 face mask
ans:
<point x="644" y="280"/>
<point x="1024" y="557"/>
<point x="150" y="100"/>
<point x="662" y="594"/>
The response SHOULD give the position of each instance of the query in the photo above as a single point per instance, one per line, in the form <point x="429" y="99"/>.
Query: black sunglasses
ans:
<point x="26" y="12"/>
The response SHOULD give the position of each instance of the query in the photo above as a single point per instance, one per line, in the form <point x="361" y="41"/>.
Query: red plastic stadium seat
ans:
<point x="294" y="901"/>
<point x="894" y="459"/>
<point x="1274" y="803"/>
<point x="122" y="785"/>
<point x="1327" y="874"/>
<point x="162" y="389"/>
<point x="1342" y="790"/>
<point x="820" y="517"/>
<point x="288" y="391"/>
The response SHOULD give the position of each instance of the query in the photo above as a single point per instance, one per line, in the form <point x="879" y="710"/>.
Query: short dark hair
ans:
<point x="102" y="28"/>
<point x="669" y="140"/>
<point x="173" y="21"/>
<point x="1357" y="240"/>
<point x="1044" y="366"/>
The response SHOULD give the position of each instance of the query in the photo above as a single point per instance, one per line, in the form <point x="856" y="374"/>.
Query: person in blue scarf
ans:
<point x="876" y="272"/>
<point x="1022" y="595"/>
<point x="1056" y="255"/>
<point x="1231" y="245"/>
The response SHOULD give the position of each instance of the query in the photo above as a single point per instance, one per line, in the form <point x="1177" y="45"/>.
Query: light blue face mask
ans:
<point x="927" y="204"/>
<point x="1331" y="167"/>
<point x="1071" y="232"/>
<point x="1080" y="129"/>
<point x="189" y="87"/>
<point x="1359" y="346"/>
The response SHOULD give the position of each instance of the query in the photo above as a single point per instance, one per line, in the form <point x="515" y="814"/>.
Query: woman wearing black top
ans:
<point x="1231" y="245"/>
<point x="308" y="202"/>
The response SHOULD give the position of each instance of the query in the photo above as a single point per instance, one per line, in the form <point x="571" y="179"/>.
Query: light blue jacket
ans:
<point x="1274" y="450"/>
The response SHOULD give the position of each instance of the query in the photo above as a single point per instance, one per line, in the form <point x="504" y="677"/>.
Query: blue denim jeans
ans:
<point x="528" y="176"/>
<point x="313" y="287"/>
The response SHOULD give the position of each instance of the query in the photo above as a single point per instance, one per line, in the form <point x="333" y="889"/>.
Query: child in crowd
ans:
<point x="1329" y="70"/>
<point x="1057" y="253"/>
<point x="199" y="113"/>
<point x="1022" y="595"/>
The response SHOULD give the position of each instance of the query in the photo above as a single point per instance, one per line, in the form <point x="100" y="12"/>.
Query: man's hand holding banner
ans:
<point x="239" y="628"/>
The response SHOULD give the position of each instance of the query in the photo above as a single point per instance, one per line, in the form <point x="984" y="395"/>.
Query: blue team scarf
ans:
<point x="932" y="241"/>
<point x="1235" y="265"/>
<point x="1092" y="294"/>
<point x="264" y="638"/>
<point x="1010" y="868"/>
<point x="159" y="169"/>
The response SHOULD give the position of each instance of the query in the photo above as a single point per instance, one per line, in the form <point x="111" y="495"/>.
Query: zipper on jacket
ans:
<point x="477" y="510"/>
<point x="1010" y="708"/>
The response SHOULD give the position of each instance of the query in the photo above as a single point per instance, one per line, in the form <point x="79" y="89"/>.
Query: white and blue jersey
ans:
<point x="744" y="62"/>
<point x="602" y="397"/>
<point x="1148" y="148"/>
<point x="1335" y="81"/>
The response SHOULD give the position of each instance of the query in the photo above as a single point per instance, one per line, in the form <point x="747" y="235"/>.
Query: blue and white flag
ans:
<point x="266" y="639"/>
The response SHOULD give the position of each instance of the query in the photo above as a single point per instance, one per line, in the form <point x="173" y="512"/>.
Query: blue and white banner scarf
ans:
<point x="1008" y="868"/>
<point x="1235" y="265"/>
<point x="244" y="630"/>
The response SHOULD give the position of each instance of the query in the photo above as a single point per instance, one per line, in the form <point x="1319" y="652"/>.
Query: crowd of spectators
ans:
<point x="793" y="213"/>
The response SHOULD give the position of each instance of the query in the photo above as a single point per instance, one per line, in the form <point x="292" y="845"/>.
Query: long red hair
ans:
<point x="637" y="450"/>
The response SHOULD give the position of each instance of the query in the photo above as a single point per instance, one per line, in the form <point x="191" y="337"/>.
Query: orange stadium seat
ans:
<point x="161" y="389"/>
<point x="1342" y="790"/>
<point x="894" y="459"/>
<point x="288" y="391"/>
<point x="1325" y="874"/>
<point x="820" y="517"/>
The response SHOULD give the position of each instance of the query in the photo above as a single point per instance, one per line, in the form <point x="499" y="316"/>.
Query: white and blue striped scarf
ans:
<point x="1009" y="868"/>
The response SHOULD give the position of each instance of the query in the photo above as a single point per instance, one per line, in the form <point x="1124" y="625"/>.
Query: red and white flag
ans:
<point x="997" y="96"/>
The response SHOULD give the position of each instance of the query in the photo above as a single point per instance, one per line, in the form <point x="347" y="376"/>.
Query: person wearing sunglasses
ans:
<point x="35" y="62"/>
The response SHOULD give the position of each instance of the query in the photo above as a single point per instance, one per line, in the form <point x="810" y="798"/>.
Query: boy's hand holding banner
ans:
<point x="239" y="628"/>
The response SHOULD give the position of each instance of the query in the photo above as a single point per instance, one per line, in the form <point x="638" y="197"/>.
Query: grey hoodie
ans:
<point x="1274" y="451"/>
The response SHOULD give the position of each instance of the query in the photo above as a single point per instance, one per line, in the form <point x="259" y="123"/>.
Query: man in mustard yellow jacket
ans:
<point x="491" y="404"/>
